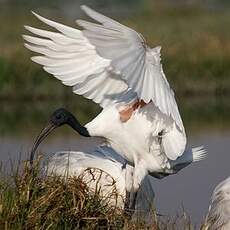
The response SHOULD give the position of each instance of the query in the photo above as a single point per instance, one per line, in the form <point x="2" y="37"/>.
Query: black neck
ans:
<point x="75" y="124"/>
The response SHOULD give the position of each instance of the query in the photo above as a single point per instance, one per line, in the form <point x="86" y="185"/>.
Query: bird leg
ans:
<point x="127" y="200"/>
<point x="139" y="173"/>
<point x="133" y="179"/>
<point x="130" y="203"/>
<point x="129" y="190"/>
<point x="133" y="202"/>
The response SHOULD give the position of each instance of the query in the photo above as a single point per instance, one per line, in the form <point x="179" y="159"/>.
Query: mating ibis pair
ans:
<point x="111" y="64"/>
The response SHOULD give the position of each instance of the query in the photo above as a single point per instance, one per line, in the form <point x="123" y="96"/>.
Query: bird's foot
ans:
<point x="130" y="204"/>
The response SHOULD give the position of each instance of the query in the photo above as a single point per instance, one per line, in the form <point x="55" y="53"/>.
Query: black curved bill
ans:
<point x="43" y="134"/>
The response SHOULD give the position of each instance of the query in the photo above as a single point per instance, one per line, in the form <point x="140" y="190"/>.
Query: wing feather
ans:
<point x="57" y="37"/>
<point x="71" y="58"/>
<point x="55" y="54"/>
<point x="160" y="91"/>
<point x="102" y="30"/>
<point x="66" y="30"/>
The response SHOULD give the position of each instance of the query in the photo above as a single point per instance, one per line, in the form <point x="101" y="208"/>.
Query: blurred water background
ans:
<point x="195" y="40"/>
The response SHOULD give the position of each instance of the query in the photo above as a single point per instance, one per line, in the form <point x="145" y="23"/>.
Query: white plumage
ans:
<point x="105" y="170"/>
<point x="218" y="217"/>
<point x="112" y="65"/>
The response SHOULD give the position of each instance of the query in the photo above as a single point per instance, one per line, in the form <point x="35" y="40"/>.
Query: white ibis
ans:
<point x="218" y="217"/>
<point x="111" y="64"/>
<point x="107" y="172"/>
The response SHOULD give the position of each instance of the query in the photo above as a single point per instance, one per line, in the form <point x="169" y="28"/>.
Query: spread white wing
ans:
<point x="108" y="63"/>
<point x="71" y="58"/>
<point x="138" y="65"/>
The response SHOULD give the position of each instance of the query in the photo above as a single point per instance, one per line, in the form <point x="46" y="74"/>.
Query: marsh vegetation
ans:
<point x="31" y="199"/>
<point x="194" y="40"/>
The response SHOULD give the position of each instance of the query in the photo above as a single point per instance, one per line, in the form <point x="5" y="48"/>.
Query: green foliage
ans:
<point x="199" y="112"/>
<point x="195" y="54"/>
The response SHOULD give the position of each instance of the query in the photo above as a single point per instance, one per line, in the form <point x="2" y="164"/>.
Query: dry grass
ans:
<point x="32" y="200"/>
<point x="35" y="201"/>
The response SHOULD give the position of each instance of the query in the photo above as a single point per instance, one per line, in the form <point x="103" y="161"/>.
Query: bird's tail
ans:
<point x="199" y="153"/>
<point x="189" y="156"/>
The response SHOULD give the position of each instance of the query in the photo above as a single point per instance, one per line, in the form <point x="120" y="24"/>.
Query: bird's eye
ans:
<point x="58" y="116"/>
<point x="160" y="134"/>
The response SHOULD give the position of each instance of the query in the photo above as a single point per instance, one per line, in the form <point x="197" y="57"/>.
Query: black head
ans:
<point x="58" y="118"/>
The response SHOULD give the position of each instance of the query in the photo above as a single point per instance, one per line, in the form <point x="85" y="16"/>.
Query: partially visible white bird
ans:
<point x="218" y="217"/>
<point x="107" y="172"/>
<point x="112" y="65"/>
